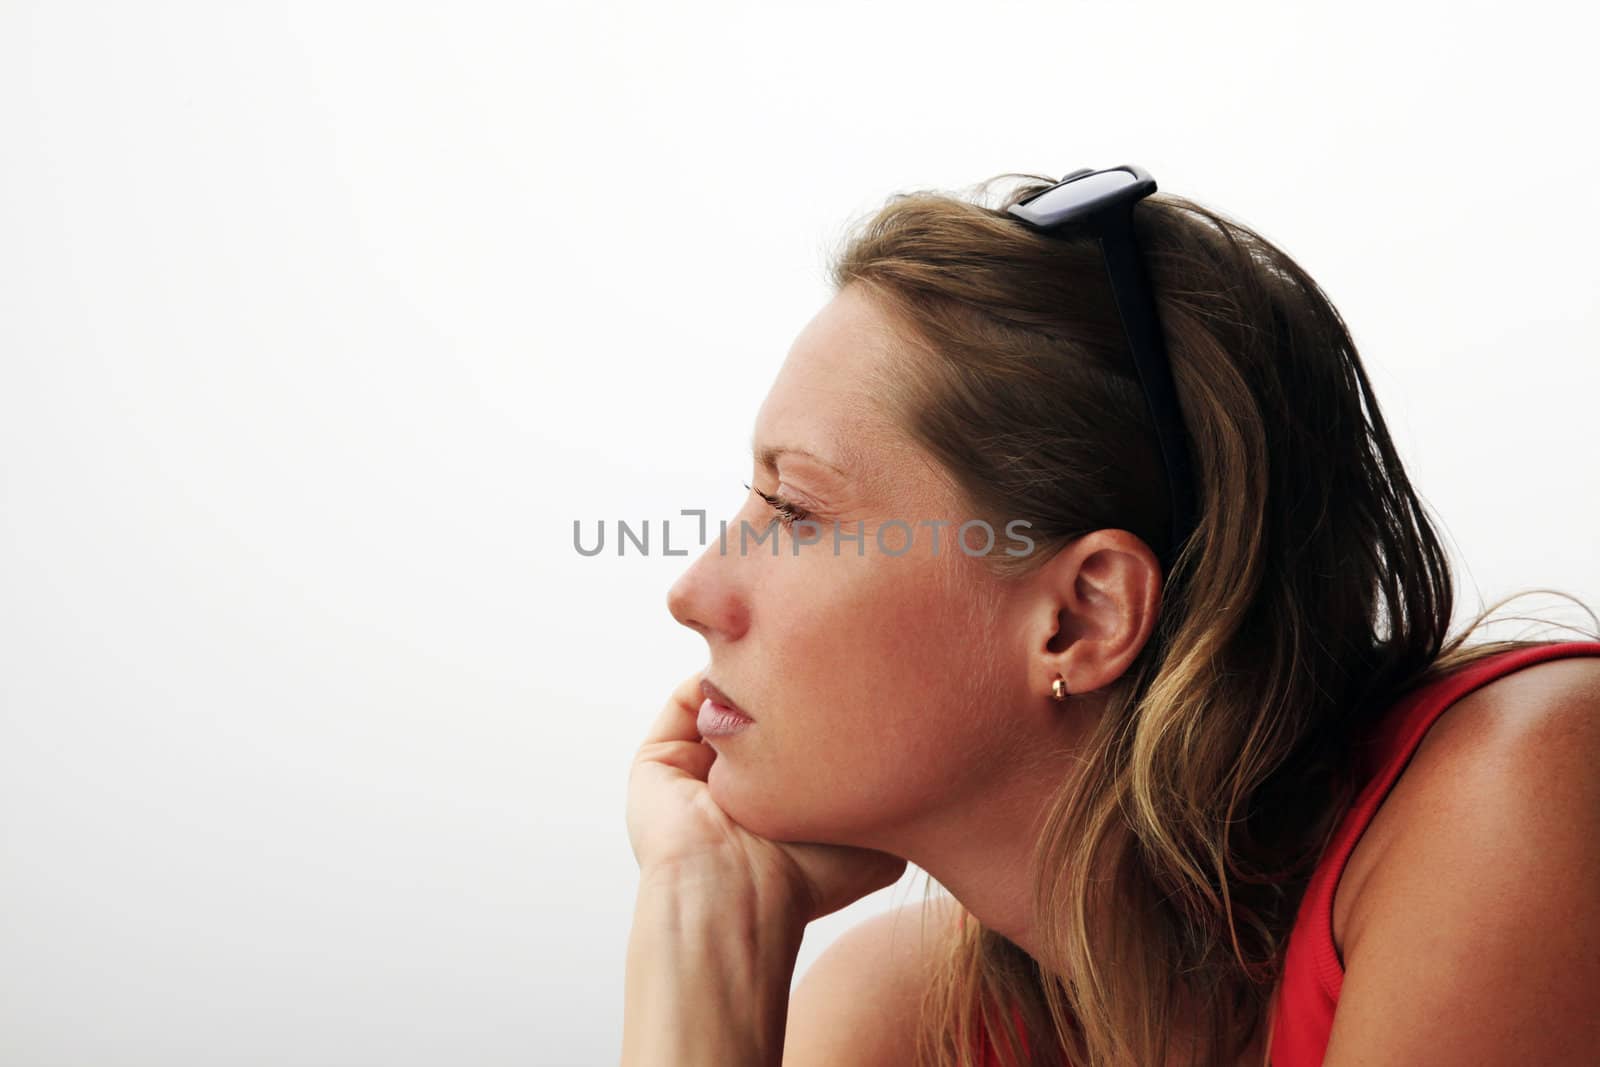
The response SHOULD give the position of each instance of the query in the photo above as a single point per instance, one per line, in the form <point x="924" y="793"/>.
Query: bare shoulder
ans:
<point x="1538" y="693"/>
<point x="1553" y="704"/>
<point x="1521" y="722"/>
<point x="859" y="1002"/>
<point x="1478" y="901"/>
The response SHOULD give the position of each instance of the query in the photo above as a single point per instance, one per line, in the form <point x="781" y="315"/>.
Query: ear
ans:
<point x="1098" y="601"/>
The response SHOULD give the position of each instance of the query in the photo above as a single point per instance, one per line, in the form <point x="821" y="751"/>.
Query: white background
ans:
<point x="321" y="323"/>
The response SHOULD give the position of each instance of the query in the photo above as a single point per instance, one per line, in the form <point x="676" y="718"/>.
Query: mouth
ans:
<point x="722" y="700"/>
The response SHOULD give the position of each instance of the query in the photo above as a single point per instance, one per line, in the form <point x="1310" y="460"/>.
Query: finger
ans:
<point x="693" y="758"/>
<point x="838" y="875"/>
<point x="677" y="720"/>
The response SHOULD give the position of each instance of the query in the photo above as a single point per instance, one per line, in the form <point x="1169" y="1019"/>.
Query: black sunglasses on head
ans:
<point x="1100" y="203"/>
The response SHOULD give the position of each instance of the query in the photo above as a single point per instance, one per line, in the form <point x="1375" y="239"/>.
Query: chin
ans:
<point x="778" y="814"/>
<point x="750" y="800"/>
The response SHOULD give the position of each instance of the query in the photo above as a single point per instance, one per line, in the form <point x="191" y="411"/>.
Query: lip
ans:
<point x="718" y="697"/>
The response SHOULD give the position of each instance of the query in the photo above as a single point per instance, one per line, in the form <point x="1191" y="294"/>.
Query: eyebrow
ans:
<point x="767" y="456"/>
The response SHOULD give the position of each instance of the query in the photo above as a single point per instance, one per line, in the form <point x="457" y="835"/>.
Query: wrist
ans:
<point x="776" y="903"/>
<point x="708" y="973"/>
<point x="704" y="904"/>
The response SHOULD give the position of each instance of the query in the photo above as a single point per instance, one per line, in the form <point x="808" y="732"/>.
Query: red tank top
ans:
<point x="1313" y="974"/>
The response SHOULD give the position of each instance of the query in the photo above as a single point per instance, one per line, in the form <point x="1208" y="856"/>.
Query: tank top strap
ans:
<point x="1313" y="973"/>
<point x="1385" y="755"/>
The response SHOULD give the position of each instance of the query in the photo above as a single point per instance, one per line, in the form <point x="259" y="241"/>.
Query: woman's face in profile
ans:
<point x="873" y="677"/>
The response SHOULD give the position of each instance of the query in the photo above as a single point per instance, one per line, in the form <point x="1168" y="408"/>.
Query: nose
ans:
<point x="707" y="600"/>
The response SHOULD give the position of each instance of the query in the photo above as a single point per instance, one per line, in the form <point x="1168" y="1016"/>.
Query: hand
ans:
<point x="676" y="829"/>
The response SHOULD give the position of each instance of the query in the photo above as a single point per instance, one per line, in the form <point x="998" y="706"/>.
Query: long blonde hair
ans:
<point x="1314" y="592"/>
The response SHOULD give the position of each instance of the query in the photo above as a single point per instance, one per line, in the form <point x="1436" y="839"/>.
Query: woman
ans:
<point x="1128" y="777"/>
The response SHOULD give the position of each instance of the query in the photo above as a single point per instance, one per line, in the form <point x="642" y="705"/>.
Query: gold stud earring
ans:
<point x="1058" y="688"/>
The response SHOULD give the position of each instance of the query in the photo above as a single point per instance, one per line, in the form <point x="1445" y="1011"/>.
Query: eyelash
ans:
<point x="788" y="514"/>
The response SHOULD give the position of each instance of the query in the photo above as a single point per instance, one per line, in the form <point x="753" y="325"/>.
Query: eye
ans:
<point x="788" y="514"/>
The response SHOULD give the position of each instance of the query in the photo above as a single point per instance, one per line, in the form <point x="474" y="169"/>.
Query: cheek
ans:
<point x="849" y="775"/>
<point x="861" y="663"/>
<point x="873" y="716"/>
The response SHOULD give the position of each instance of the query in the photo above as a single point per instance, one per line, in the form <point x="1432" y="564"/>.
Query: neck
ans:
<point x="980" y="846"/>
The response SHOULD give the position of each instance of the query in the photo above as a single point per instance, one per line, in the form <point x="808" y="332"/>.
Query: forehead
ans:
<point x="827" y="398"/>
<point x="831" y="398"/>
